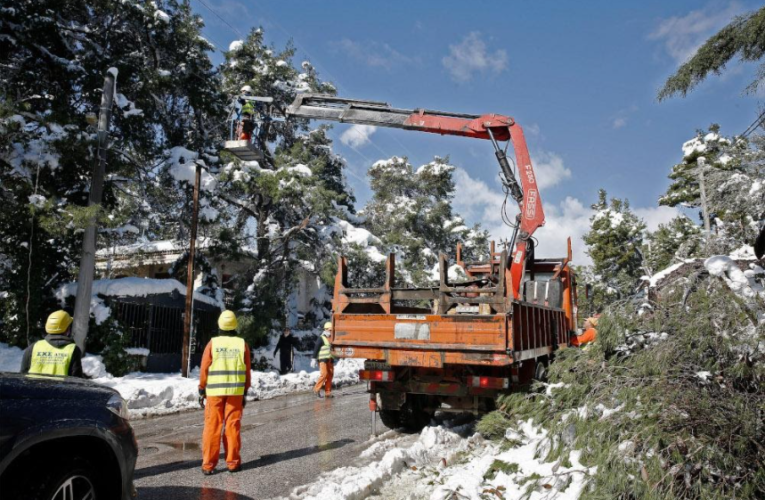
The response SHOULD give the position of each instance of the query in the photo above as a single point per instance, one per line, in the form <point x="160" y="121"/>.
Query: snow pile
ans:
<point x="433" y="446"/>
<point x="746" y="284"/>
<point x="521" y="465"/>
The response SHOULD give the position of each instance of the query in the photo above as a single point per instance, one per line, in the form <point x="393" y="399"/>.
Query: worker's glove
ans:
<point x="202" y="396"/>
<point x="313" y="363"/>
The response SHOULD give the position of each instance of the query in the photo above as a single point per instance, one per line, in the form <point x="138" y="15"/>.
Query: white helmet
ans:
<point x="246" y="89"/>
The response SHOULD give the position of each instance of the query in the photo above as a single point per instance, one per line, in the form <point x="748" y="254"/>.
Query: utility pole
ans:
<point x="88" y="258"/>
<point x="703" y="192"/>
<point x="187" y="316"/>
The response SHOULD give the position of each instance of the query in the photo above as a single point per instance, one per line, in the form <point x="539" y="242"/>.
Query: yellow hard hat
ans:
<point x="227" y="321"/>
<point x="328" y="325"/>
<point x="593" y="321"/>
<point x="58" y="322"/>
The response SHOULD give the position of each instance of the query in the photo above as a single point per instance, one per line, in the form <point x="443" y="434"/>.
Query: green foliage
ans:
<point x="672" y="433"/>
<point x="254" y="332"/>
<point x="679" y="239"/>
<point x="110" y="341"/>
<point x="500" y="466"/>
<point x="743" y="36"/>
<point x="614" y="243"/>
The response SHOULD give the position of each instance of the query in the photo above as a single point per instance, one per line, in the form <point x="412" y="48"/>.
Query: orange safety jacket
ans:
<point x="588" y="336"/>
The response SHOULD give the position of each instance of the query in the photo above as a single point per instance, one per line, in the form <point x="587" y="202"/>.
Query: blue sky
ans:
<point x="580" y="77"/>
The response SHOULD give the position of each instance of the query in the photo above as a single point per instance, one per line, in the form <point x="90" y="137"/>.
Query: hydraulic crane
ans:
<point x="493" y="127"/>
<point x="458" y="344"/>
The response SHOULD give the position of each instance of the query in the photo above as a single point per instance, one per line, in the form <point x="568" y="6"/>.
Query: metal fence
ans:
<point x="159" y="328"/>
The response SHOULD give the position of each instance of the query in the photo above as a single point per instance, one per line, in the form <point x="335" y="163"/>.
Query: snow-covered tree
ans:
<point x="411" y="212"/>
<point x="679" y="239"/>
<point x="614" y="243"/>
<point x="54" y="60"/>
<point x="280" y="214"/>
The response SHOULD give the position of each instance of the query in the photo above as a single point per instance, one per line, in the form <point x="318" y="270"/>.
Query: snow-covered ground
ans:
<point x="150" y="394"/>
<point x="446" y="462"/>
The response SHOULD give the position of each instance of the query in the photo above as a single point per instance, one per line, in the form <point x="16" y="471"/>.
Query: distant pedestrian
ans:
<point x="286" y="346"/>
<point x="322" y="353"/>
<point x="223" y="382"/>
<point x="56" y="355"/>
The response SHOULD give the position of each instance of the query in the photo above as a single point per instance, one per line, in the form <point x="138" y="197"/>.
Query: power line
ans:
<point x="236" y="31"/>
<point x="756" y="123"/>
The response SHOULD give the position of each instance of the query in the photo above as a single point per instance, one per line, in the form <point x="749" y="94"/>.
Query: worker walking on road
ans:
<point x="590" y="333"/>
<point x="56" y="355"/>
<point x="224" y="379"/>
<point x="323" y="353"/>
<point x="286" y="345"/>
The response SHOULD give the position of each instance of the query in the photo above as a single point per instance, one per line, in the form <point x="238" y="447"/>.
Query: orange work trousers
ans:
<point x="326" y="372"/>
<point x="220" y="410"/>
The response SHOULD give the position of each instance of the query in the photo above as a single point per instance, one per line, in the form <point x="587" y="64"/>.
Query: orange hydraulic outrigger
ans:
<point x="492" y="127"/>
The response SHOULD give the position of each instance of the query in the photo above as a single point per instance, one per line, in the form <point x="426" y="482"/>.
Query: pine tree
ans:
<point x="614" y="243"/>
<point x="411" y="212"/>
<point x="54" y="63"/>
<point x="679" y="239"/>
<point x="743" y="37"/>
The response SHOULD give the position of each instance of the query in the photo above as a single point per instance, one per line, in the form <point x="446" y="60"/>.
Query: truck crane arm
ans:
<point x="492" y="127"/>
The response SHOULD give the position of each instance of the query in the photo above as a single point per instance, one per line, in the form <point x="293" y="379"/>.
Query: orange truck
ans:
<point x="458" y="345"/>
<point x="463" y="343"/>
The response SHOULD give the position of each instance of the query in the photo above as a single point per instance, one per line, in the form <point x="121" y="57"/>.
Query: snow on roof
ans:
<point x="132" y="287"/>
<point x="152" y="247"/>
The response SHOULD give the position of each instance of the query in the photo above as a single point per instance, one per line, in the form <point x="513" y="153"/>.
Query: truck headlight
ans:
<point x="118" y="406"/>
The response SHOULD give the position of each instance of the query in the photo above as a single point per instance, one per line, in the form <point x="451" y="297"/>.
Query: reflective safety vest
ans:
<point x="50" y="360"/>
<point x="228" y="371"/>
<point x="325" y="353"/>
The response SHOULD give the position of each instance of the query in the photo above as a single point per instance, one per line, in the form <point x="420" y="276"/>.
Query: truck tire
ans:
<point x="411" y="417"/>
<point x="391" y="418"/>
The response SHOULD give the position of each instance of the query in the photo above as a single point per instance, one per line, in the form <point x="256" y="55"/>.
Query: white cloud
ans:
<point x="653" y="216"/>
<point x="358" y="135"/>
<point x="476" y="201"/>
<point x="373" y="54"/>
<point x="619" y="123"/>
<point x="471" y="56"/>
<point x="682" y="35"/>
<point x="549" y="169"/>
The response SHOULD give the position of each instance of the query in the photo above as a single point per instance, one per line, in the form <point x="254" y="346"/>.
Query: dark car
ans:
<point x="64" y="439"/>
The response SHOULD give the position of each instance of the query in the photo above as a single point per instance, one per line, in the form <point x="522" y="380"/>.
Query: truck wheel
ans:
<point x="391" y="418"/>
<point x="414" y="416"/>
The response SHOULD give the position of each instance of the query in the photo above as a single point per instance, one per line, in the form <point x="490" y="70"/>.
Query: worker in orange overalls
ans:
<point x="323" y="353"/>
<point x="590" y="332"/>
<point x="224" y="379"/>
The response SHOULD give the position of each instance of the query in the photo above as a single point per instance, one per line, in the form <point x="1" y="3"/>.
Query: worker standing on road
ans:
<point x="286" y="346"/>
<point x="590" y="333"/>
<point x="224" y="379"/>
<point x="323" y="353"/>
<point x="56" y="355"/>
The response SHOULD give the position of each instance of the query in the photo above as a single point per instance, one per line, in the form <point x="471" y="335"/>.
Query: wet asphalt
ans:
<point x="286" y="442"/>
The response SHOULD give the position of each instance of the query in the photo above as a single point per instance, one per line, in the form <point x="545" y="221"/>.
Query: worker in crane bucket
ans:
<point x="322" y="353"/>
<point x="590" y="332"/>
<point x="246" y="114"/>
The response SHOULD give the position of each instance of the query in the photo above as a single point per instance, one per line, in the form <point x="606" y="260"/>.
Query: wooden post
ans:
<point x="187" y="315"/>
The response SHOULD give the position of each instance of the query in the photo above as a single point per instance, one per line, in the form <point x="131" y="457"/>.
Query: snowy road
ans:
<point x="287" y="441"/>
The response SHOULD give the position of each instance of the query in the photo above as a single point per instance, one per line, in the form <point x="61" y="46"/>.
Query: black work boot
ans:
<point x="318" y="395"/>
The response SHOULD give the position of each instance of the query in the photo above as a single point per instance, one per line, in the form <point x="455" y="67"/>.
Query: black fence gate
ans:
<point x="156" y="323"/>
